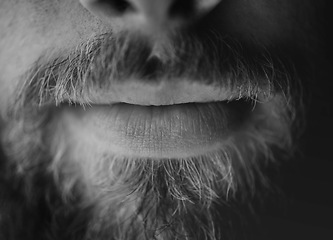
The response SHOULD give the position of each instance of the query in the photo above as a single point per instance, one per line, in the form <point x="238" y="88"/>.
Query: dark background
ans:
<point x="306" y="212"/>
<point x="308" y="180"/>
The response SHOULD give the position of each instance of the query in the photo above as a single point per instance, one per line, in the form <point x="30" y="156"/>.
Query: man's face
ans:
<point x="155" y="112"/>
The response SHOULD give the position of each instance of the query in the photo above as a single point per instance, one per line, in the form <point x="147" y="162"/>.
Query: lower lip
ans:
<point x="175" y="131"/>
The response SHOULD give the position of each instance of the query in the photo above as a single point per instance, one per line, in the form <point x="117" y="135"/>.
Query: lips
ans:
<point x="165" y="93"/>
<point x="169" y="131"/>
<point x="170" y="119"/>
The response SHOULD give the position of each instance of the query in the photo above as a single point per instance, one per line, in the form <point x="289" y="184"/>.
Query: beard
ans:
<point x="89" y="193"/>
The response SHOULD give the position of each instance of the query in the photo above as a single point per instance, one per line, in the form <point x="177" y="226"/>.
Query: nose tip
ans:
<point x="153" y="15"/>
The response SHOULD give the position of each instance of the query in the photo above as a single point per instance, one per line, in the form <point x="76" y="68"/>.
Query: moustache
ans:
<point x="244" y="68"/>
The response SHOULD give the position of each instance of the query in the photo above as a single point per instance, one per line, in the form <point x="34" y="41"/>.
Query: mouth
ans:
<point x="159" y="122"/>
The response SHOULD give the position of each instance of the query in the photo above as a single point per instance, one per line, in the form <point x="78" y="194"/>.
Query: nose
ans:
<point x="151" y="15"/>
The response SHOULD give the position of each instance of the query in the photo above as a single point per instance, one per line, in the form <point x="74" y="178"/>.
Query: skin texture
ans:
<point x="33" y="27"/>
<point x="70" y="180"/>
<point x="40" y="29"/>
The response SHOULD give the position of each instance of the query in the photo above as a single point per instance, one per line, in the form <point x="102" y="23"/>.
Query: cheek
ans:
<point x="34" y="29"/>
<point x="265" y="21"/>
<point x="65" y="21"/>
<point x="17" y="46"/>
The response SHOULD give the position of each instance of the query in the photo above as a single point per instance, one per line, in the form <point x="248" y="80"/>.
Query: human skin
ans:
<point x="29" y="28"/>
<point x="35" y="29"/>
<point x="84" y="138"/>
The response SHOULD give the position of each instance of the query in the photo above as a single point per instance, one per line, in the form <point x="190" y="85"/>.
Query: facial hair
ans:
<point x="121" y="198"/>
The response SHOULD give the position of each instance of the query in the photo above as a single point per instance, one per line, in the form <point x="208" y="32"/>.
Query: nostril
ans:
<point x="108" y="8"/>
<point x="183" y="8"/>
<point x="120" y="5"/>
<point x="150" y="15"/>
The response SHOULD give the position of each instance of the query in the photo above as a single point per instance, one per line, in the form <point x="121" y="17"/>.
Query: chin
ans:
<point x="167" y="150"/>
<point x="142" y="192"/>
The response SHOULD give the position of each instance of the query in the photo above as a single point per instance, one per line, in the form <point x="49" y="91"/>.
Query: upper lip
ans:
<point x="161" y="94"/>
